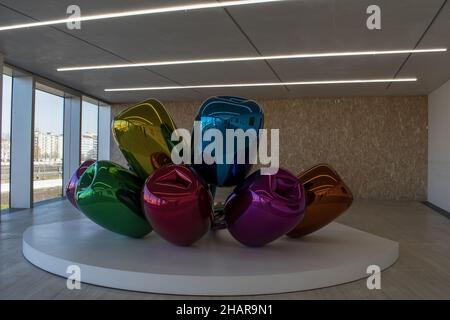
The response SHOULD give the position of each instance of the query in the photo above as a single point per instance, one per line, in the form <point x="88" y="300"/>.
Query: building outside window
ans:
<point x="6" y="141"/>
<point x="89" y="131"/>
<point x="48" y="146"/>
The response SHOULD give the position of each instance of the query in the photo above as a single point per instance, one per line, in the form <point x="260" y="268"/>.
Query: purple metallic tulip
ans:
<point x="70" y="190"/>
<point x="265" y="207"/>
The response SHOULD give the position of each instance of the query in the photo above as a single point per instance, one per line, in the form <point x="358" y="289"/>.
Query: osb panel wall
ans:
<point x="377" y="144"/>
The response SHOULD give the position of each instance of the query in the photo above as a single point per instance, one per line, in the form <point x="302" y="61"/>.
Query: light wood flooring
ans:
<point x="422" y="271"/>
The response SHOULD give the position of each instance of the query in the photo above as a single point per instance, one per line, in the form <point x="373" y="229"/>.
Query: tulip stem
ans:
<point x="219" y="217"/>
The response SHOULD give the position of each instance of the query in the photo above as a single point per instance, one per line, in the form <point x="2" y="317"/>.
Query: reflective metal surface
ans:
<point x="110" y="195"/>
<point x="178" y="204"/>
<point x="224" y="113"/>
<point x="265" y="207"/>
<point x="160" y="159"/>
<point x="141" y="131"/>
<point x="70" y="189"/>
<point x="327" y="198"/>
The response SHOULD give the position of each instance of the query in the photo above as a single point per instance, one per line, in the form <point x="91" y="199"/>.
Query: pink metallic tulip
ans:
<point x="70" y="190"/>
<point x="178" y="204"/>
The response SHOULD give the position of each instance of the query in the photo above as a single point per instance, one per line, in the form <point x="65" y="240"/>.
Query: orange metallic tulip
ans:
<point x="327" y="198"/>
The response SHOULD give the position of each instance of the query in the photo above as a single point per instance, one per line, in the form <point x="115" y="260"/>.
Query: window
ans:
<point x="89" y="130"/>
<point x="6" y="141"/>
<point x="48" y="146"/>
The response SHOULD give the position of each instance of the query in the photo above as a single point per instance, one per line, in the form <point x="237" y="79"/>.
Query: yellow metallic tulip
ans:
<point x="142" y="132"/>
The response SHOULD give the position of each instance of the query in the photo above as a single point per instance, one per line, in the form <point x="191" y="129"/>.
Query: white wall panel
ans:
<point x="72" y="129"/>
<point x="22" y="117"/>
<point x="439" y="147"/>
<point x="104" y="132"/>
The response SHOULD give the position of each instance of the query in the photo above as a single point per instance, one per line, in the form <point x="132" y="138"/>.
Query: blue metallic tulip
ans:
<point x="224" y="113"/>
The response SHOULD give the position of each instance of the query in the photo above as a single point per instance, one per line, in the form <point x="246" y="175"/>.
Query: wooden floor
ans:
<point x="422" y="271"/>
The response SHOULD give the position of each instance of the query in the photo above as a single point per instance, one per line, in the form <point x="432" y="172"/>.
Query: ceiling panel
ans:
<point x="342" y="90"/>
<point x="334" y="68"/>
<point x="200" y="94"/>
<point x="432" y="72"/>
<point x="165" y="95"/>
<point x="201" y="33"/>
<point x="95" y="82"/>
<point x="287" y="27"/>
<point x="249" y="93"/>
<point x="334" y="25"/>
<point x="212" y="73"/>
<point x="27" y="52"/>
<point x="264" y="92"/>
<point x="43" y="50"/>
<point x="164" y="37"/>
<point x="51" y="9"/>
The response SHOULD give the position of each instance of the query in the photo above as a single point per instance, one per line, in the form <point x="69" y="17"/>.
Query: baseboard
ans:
<point x="445" y="213"/>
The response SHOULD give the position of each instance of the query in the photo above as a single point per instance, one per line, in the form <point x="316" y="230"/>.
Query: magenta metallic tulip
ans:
<point x="265" y="207"/>
<point x="178" y="204"/>
<point x="70" y="190"/>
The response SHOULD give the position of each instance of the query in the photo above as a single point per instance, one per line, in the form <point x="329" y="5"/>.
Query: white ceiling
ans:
<point x="277" y="28"/>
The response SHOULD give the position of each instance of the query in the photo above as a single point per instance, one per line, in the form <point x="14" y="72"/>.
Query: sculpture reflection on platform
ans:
<point x="176" y="201"/>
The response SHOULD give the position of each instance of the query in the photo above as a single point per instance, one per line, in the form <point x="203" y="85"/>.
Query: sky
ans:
<point x="89" y="117"/>
<point x="49" y="112"/>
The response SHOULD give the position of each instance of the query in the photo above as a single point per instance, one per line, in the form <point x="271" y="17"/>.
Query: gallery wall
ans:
<point x="439" y="147"/>
<point x="377" y="144"/>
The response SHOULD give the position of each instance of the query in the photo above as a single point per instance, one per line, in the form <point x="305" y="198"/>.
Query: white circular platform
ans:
<point x="216" y="265"/>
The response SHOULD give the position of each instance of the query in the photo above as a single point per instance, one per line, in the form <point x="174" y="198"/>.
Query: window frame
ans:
<point x="58" y="93"/>
<point x="7" y="72"/>
<point x="48" y="86"/>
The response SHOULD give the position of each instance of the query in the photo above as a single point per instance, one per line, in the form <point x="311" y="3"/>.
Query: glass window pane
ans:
<point x="89" y="131"/>
<point x="48" y="146"/>
<point x="6" y="141"/>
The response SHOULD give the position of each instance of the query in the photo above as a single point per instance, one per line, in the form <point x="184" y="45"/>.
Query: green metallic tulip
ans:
<point x="141" y="131"/>
<point x="110" y="195"/>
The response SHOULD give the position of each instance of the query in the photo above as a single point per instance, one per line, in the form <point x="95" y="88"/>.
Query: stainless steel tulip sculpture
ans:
<point x="176" y="201"/>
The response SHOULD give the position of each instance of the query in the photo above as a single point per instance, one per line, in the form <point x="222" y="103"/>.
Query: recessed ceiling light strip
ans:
<point x="190" y="7"/>
<point x="242" y="59"/>
<point x="264" y="84"/>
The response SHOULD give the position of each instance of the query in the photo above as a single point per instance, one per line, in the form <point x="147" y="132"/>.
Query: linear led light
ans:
<point x="190" y="7"/>
<point x="237" y="59"/>
<point x="264" y="84"/>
